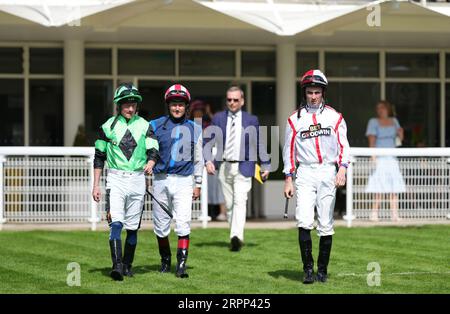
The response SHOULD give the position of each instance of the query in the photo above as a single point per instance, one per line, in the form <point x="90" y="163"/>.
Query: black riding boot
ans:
<point x="128" y="257"/>
<point x="182" y="255"/>
<point x="304" y="239"/>
<point x="116" y="256"/>
<point x="166" y="255"/>
<point x="324" y="258"/>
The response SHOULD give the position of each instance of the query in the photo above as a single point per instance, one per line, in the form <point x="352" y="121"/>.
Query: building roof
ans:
<point x="307" y="23"/>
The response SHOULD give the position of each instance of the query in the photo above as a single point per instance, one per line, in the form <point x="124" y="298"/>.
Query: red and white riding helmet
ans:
<point x="314" y="78"/>
<point x="177" y="92"/>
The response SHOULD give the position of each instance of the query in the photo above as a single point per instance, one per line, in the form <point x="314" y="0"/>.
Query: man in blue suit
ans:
<point x="235" y="160"/>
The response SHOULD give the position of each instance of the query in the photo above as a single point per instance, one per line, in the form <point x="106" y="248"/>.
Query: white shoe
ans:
<point x="221" y="217"/>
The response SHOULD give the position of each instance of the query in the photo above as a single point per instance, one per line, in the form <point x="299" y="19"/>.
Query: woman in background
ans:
<point x="384" y="131"/>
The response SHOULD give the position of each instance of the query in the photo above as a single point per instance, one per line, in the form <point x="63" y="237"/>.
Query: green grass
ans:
<point x="412" y="260"/>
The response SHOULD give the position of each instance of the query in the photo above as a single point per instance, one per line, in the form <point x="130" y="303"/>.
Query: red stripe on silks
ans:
<point x="337" y="124"/>
<point x="319" y="155"/>
<point x="294" y="134"/>
<point x="342" y="150"/>
<point x="339" y="140"/>
<point x="183" y="243"/>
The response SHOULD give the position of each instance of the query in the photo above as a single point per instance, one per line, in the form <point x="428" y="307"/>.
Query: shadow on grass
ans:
<point x="155" y="268"/>
<point x="137" y="270"/>
<point x="293" y="275"/>
<point x="105" y="271"/>
<point x="222" y="244"/>
<point x="142" y="269"/>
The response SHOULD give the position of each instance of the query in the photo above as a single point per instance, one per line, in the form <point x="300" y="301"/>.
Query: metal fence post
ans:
<point x="94" y="219"/>
<point x="2" y="203"/>
<point x="349" y="196"/>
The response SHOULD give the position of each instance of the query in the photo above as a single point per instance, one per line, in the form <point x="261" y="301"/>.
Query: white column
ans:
<point x="442" y="100"/>
<point x="73" y="89"/>
<point x="286" y="84"/>
<point x="2" y="204"/>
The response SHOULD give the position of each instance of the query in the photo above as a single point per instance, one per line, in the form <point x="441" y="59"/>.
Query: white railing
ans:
<point x="420" y="177"/>
<point x="53" y="185"/>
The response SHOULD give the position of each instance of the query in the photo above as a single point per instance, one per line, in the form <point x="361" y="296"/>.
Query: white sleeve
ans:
<point x="289" y="148"/>
<point x="343" y="145"/>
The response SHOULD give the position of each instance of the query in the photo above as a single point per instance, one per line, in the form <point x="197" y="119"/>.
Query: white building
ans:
<point x="60" y="62"/>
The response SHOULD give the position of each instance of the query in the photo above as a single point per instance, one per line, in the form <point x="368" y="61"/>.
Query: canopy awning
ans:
<point x="57" y="12"/>
<point x="291" y="17"/>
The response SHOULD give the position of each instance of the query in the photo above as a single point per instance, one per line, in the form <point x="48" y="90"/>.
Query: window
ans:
<point x="213" y="93"/>
<point x="263" y="106"/>
<point x="98" y="106"/>
<point x="356" y="102"/>
<point x="263" y="100"/>
<point x="306" y="61"/>
<point x="46" y="61"/>
<point x="412" y="65"/>
<point x="97" y="61"/>
<point x="258" y="63"/>
<point x="146" y="62"/>
<point x="417" y="108"/>
<point x="207" y="63"/>
<point x="46" y="113"/>
<point x="351" y="64"/>
<point x="153" y="105"/>
<point x="447" y="62"/>
<point x="11" y="60"/>
<point x="11" y="119"/>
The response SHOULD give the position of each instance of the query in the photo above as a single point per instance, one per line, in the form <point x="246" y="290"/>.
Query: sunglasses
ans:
<point x="233" y="99"/>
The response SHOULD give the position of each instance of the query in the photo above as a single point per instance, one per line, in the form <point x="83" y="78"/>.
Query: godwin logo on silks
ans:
<point x="315" y="130"/>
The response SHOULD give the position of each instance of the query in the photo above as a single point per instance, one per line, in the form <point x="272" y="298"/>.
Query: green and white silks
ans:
<point x="127" y="145"/>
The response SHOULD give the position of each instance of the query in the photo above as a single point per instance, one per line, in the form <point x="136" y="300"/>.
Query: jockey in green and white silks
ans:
<point x="129" y="146"/>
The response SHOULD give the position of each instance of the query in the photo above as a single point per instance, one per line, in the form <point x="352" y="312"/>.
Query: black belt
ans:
<point x="231" y="161"/>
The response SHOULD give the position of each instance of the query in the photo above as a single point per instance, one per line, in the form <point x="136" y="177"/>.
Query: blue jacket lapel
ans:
<point x="223" y="125"/>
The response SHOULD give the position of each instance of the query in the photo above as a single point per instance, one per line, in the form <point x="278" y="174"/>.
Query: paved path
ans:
<point x="251" y="224"/>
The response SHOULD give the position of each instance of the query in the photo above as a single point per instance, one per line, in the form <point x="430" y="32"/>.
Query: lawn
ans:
<point x="411" y="260"/>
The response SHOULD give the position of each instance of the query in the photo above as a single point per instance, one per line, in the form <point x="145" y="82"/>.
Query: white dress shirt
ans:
<point x="237" y="139"/>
